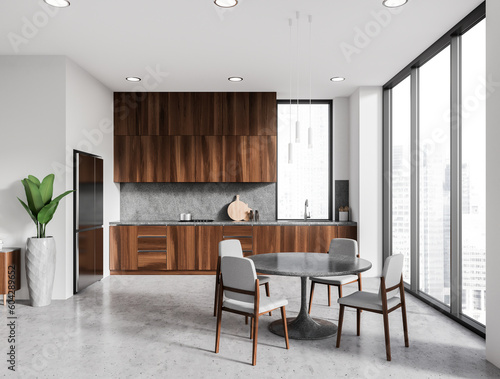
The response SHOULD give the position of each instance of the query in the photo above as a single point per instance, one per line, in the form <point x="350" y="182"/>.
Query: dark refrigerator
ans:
<point x="88" y="220"/>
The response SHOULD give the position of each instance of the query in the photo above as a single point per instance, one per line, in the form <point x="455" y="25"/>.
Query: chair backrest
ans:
<point x="238" y="273"/>
<point x="230" y="248"/>
<point x="344" y="246"/>
<point x="393" y="268"/>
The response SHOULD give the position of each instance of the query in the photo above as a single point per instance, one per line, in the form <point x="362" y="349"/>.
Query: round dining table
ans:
<point x="304" y="327"/>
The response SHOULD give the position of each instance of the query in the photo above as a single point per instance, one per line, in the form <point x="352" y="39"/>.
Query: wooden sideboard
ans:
<point x="10" y="271"/>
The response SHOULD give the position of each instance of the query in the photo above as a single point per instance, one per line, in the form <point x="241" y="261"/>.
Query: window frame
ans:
<point x="329" y="103"/>
<point x="451" y="38"/>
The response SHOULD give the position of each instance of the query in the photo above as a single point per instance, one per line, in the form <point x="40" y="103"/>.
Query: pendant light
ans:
<point x="309" y="130"/>
<point x="290" y="144"/>
<point x="297" y="123"/>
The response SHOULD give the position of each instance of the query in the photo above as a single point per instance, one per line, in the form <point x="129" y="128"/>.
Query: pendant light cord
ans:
<point x="291" y="55"/>
<point x="310" y="70"/>
<point x="298" y="65"/>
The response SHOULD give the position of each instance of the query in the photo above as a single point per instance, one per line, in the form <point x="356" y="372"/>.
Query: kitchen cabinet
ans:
<point x="181" y="253"/>
<point x="208" y="159"/>
<point x="267" y="239"/>
<point x="243" y="233"/>
<point x="320" y="237"/>
<point x="295" y="238"/>
<point x="207" y="247"/>
<point x="122" y="248"/>
<point x="347" y="232"/>
<point x="249" y="158"/>
<point x="127" y="158"/>
<point x="236" y="114"/>
<point x="182" y="159"/>
<point x="155" y="159"/>
<point x="263" y="119"/>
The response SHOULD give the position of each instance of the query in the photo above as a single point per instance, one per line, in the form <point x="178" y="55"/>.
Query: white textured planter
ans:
<point x="343" y="216"/>
<point x="40" y="269"/>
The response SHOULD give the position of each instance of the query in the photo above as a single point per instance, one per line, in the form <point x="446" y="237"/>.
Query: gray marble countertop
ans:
<point x="308" y="264"/>
<point x="254" y="223"/>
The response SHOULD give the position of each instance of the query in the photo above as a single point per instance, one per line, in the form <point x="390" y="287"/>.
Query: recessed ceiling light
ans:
<point x="235" y="79"/>
<point x="58" y="3"/>
<point x="133" y="79"/>
<point x="226" y="3"/>
<point x="394" y="3"/>
<point x="337" y="79"/>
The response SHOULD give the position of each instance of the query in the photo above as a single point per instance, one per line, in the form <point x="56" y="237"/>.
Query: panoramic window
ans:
<point x="401" y="173"/>
<point x="307" y="176"/>
<point x="474" y="172"/>
<point x="435" y="127"/>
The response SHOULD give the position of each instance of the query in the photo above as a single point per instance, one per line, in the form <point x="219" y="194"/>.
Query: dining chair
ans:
<point x="338" y="246"/>
<point x="232" y="248"/>
<point x="381" y="302"/>
<point x="239" y="293"/>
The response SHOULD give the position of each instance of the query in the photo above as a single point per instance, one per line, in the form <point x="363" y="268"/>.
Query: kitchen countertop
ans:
<point x="229" y="222"/>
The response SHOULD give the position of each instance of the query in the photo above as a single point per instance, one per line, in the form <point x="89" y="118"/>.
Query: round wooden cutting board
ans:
<point x="238" y="210"/>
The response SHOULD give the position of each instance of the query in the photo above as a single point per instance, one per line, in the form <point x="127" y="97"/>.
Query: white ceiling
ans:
<point x="197" y="46"/>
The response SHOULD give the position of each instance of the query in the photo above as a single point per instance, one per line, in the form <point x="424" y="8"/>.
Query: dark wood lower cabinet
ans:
<point x="195" y="249"/>
<point x="207" y="247"/>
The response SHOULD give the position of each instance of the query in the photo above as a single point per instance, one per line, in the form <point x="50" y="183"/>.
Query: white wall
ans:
<point x="493" y="184"/>
<point x="366" y="173"/>
<point x="49" y="106"/>
<point x="32" y="135"/>
<point x="340" y="137"/>
<point x="89" y="128"/>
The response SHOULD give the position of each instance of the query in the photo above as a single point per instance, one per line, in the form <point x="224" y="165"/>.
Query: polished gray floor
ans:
<point x="162" y="326"/>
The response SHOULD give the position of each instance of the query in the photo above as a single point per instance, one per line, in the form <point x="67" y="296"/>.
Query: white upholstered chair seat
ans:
<point x="263" y="279"/>
<point x="368" y="300"/>
<point x="335" y="280"/>
<point x="266" y="304"/>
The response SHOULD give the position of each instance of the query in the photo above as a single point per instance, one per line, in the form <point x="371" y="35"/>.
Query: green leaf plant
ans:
<point x="41" y="207"/>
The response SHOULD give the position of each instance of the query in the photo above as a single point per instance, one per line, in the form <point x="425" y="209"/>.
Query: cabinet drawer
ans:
<point x="246" y="242"/>
<point x="152" y="260"/>
<point x="151" y="231"/>
<point x="237" y="231"/>
<point x="151" y="243"/>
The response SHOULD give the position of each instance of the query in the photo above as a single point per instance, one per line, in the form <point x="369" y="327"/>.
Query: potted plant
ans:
<point x="40" y="250"/>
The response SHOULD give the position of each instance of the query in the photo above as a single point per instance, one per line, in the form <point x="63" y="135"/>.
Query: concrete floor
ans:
<point x="162" y="326"/>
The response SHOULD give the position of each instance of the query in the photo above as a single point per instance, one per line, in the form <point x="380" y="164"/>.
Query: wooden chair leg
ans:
<point x="358" y="322"/>
<point x="246" y="320"/>
<point x="341" y="320"/>
<point x="256" y="332"/>
<point x="311" y="296"/>
<point x="219" y="321"/>
<point x="329" y="296"/>
<point x="251" y="329"/>
<point x="216" y="297"/>
<point x="268" y="293"/>
<point x="387" y="337"/>
<point x="285" y="326"/>
<point x="4" y="299"/>
<point x="340" y="291"/>
<point x="405" y="323"/>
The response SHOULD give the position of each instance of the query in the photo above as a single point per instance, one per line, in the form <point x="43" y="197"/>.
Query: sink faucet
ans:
<point x="307" y="214"/>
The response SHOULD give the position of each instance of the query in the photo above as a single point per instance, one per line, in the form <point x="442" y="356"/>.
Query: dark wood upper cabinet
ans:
<point x="181" y="118"/>
<point x="263" y="119"/>
<point x="208" y="159"/>
<point x="182" y="156"/>
<point x="155" y="159"/>
<point x="125" y="114"/>
<point x="236" y="114"/>
<point x="127" y="158"/>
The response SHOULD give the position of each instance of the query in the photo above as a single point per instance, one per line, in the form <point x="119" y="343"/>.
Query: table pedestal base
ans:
<point x="304" y="327"/>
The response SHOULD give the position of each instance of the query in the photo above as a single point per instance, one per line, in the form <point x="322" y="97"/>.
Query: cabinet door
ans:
<point x="267" y="239"/>
<point x="181" y="253"/>
<point x="295" y="238"/>
<point x="122" y="248"/>
<point x="234" y="162"/>
<point x="263" y="108"/>
<point x="320" y="238"/>
<point x="207" y="247"/>
<point x="149" y="111"/>
<point x="125" y="114"/>
<point x="236" y="111"/>
<point x="155" y="159"/>
<point x="181" y="109"/>
<point x="207" y="113"/>
<point x="182" y="159"/>
<point x="348" y="232"/>
<point x="127" y="158"/>
<point x="209" y="159"/>
<point x="268" y="159"/>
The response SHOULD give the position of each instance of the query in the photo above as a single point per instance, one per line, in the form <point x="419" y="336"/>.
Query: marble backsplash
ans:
<point x="166" y="201"/>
